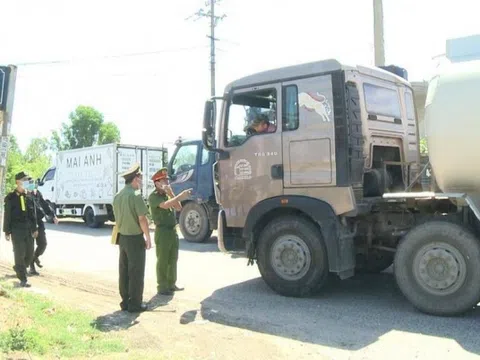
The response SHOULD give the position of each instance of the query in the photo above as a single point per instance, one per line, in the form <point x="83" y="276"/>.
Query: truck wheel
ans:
<point x="90" y="219"/>
<point x="194" y="223"/>
<point x="292" y="257"/>
<point x="437" y="268"/>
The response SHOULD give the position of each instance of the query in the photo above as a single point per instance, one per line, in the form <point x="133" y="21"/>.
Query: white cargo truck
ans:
<point x="84" y="181"/>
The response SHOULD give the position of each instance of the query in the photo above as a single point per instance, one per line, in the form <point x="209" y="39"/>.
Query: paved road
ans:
<point x="362" y="318"/>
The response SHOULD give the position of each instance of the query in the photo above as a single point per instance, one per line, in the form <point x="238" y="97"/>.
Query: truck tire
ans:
<point x="292" y="257"/>
<point x="91" y="220"/>
<point x="194" y="223"/>
<point x="437" y="268"/>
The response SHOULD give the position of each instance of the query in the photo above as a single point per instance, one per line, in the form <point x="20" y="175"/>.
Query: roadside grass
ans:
<point x="34" y="324"/>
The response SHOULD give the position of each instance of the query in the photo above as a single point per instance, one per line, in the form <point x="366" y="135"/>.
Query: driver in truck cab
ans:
<point x="259" y="125"/>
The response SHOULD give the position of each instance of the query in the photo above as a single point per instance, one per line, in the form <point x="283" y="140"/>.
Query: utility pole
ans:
<point x="202" y="13"/>
<point x="378" y="33"/>
<point x="8" y="75"/>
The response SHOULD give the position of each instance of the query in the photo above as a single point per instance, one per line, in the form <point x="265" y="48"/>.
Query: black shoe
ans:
<point x="37" y="262"/>
<point x="142" y="308"/>
<point x="24" y="284"/>
<point x="34" y="272"/>
<point x="166" y="292"/>
<point x="176" y="288"/>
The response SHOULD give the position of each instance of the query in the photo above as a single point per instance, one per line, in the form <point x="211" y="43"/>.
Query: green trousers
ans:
<point x="131" y="271"/>
<point x="22" y="242"/>
<point x="166" y="246"/>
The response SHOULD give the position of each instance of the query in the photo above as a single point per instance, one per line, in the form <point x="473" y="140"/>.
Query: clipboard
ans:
<point x="115" y="235"/>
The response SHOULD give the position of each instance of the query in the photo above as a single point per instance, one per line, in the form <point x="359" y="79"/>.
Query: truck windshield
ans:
<point x="185" y="159"/>
<point x="382" y="101"/>
<point x="244" y="112"/>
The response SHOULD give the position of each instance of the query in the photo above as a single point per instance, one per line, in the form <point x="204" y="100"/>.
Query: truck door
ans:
<point x="308" y="133"/>
<point x="253" y="170"/>
<point x="47" y="185"/>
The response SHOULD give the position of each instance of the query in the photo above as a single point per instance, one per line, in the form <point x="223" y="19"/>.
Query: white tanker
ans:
<point x="437" y="262"/>
<point x="452" y="116"/>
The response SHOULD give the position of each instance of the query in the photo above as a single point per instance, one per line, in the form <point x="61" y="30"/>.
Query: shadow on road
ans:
<point x="118" y="320"/>
<point x="350" y="315"/>
<point x="79" y="228"/>
<point x="208" y="246"/>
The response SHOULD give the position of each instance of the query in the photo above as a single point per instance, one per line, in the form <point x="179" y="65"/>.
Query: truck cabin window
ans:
<point x="185" y="159"/>
<point x="251" y="114"/>
<point x="50" y="175"/>
<point x="382" y="101"/>
<point x="409" y="104"/>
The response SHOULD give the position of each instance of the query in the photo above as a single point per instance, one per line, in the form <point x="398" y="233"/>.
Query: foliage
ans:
<point x="86" y="128"/>
<point x="109" y="133"/>
<point x="423" y="146"/>
<point x="35" y="161"/>
<point x="40" y="326"/>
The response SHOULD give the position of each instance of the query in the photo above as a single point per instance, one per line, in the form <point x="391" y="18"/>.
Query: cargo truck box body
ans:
<point x="84" y="181"/>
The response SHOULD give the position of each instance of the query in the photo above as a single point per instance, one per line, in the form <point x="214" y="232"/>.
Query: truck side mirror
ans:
<point x="208" y="132"/>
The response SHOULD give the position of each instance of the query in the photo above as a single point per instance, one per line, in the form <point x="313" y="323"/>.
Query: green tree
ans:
<point x="35" y="161"/>
<point x="36" y="157"/>
<point x="86" y="128"/>
<point x="108" y="134"/>
<point x="14" y="163"/>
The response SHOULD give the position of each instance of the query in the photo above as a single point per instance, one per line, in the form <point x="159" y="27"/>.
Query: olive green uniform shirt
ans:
<point x="161" y="217"/>
<point x="128" y="205"/>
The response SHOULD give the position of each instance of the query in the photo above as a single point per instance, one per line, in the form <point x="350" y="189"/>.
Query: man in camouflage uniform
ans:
<point x="42" y="209"/>
<point x="131" y="213"/>
<point x="20" y="225"/>
<point x="162" y="204"/>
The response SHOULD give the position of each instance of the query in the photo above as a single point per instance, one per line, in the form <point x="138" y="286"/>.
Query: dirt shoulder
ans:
<point x="174" y="329"/>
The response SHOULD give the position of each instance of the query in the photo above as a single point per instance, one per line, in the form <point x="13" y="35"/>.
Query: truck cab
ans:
<point x="190" y="167"/>
<point x="317" y="169"/>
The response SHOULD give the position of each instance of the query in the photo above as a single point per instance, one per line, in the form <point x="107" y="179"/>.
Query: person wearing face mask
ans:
<point x="162" y="204"/>
<point x="20" y="225"/>
<point x="131" y="221"/>
<point x="42" y="209"/>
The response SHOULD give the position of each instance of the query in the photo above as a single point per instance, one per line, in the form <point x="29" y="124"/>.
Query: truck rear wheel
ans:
<point x="437" y="268"/>
<point x="194" y="223"/>
<point x="91" y="220"/>
<point x="292" y="257"/>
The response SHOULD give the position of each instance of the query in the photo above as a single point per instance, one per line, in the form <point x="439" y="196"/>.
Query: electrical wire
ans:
<point x="119" y="56"/>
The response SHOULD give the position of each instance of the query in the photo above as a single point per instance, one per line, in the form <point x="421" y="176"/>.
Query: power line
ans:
<point x="214" y="19"/>
<point x="119" y="56"/>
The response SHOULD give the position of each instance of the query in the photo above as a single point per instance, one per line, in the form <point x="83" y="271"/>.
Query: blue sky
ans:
<point x="154" y="98"/>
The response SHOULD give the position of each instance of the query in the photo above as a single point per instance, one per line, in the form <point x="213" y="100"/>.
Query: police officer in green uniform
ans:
<point x="162" y="204"/>
<point x="20" y="225"/>
<point x="131" y="213"/>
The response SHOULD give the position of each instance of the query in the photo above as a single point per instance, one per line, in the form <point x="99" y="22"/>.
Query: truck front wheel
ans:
<point x="437" y="268"/>
<point x="91" y="220"/>
<point x="292" y="257"/>
<point x="194" y="223"/>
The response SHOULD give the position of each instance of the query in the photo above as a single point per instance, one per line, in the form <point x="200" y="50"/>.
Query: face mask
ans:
<point x="29" y="185"/>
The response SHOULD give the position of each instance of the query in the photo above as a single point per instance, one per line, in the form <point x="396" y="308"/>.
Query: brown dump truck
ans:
<point x="318" y="172"/>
